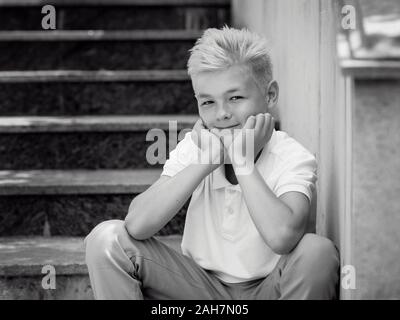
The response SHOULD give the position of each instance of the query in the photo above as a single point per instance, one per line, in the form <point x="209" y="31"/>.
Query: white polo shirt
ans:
<point x="219" y="232"/>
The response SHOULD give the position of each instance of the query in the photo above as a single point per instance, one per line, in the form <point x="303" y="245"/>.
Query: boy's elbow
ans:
<point x="133" y="227"/>
<point x="284" y="242"/>
<point x="135" y="232"/>
<point x="281" y="248"/>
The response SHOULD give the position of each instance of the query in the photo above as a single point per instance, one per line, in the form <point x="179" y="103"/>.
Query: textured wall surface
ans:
<point x="376" y="189"/>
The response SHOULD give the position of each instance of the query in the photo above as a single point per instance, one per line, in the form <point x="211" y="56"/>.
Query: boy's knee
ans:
<point x="102" y="240"/>
<point x="315" y="243"/>
<point x="314" y="264"/>
<point x="318" y="254"/>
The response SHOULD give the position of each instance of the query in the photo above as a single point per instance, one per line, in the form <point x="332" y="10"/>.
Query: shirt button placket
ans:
<point x="229" y="213"/>
<point x="229" y="201"/>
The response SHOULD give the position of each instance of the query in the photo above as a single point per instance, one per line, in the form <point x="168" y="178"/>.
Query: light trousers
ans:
<point x="121" y="267"/>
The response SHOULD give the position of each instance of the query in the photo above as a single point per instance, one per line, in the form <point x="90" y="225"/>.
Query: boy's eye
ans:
<point x="206" y="103"/>
<point x="235" y="98"/>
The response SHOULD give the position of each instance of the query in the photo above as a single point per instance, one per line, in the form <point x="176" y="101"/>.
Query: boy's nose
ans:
<point x="223" y="114"/>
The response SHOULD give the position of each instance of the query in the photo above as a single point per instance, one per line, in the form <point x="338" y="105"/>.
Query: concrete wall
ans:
<point x="352" y="126"/>
<point x="295" y="55"/>
<point x="376" y="188"/>
<point x="314" y="98"/>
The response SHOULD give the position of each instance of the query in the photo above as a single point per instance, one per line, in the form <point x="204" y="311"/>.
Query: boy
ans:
<point x="244" y="235"/>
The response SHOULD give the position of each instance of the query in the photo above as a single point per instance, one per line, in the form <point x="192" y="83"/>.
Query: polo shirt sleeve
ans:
<point x="180" y="157"/>
<point x="299" y="174"/>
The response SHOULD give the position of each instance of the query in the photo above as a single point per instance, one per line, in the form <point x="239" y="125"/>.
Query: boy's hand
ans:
<point x="236" y="147"/>
<point x="209" y="144"/>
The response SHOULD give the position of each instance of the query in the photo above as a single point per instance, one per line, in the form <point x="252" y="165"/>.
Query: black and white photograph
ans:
<point x="207" y="152"/>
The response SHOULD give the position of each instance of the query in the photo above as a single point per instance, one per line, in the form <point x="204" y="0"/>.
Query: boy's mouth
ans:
<point x="234" y="126"/>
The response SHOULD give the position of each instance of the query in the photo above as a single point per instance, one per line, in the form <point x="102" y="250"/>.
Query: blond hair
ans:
<point x="219" y="49"/>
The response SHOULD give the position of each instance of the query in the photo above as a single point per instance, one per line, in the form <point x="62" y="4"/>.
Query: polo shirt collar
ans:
<point x="218" y="179"/>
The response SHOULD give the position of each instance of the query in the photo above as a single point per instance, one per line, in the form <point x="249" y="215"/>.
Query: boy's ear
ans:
<point x="272" y="93"/>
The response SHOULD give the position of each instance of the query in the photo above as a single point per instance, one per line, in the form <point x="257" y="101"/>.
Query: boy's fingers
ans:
<point x="225" y="136"/>
<point x="272" y="126"/>
<point x="250" y="123"/>
<point x="215" y="132"/>
<point x="260" y="121"/>
<point x="269" y="117"/>
<point x="196" y="126"/>
<point x="197" y="131"/>
<point x="200" y="123"/>
<point x="267" y="120"/>
<point x="269" y="125"/>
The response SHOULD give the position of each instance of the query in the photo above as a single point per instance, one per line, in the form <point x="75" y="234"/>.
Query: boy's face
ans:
<point x="227" y="98"/>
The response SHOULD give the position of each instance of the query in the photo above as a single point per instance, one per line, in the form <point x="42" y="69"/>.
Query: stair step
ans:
<point x="72" y="202"/>
<point x="23" y="258"/>
<point x="146" y="3"/>
<point x="119" y="16"/>
<point x="40" y="124"/>
<point x="89" y="142"/>
<point x="95" y="55"/>
<point x="54" y="182"/>
<point x="93" y="76"/>
<point x="64" y="144"/>
<point x="97" y="98"/>
<point x="84" y="150"/>
<point x="100" y="35"/>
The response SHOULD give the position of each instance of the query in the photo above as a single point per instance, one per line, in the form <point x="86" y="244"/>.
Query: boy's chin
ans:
<point x="227" y="132"/>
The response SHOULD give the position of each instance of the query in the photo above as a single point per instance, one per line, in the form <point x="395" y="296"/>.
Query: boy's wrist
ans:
<point x="242" y="164"/>
<point x="206" y="169"/>
<point x="212" y="155"/>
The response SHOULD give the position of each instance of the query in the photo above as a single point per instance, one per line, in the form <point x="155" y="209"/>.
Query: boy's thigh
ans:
<point x="310" y="267"/>
<point x="264" y="289"/>
<point x="165" y="273"/>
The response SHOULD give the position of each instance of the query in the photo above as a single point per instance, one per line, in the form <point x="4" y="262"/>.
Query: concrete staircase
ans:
<point x="75" y="106"/>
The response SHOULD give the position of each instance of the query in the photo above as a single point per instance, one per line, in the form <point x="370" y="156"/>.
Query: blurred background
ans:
<point x="82" y="82"/>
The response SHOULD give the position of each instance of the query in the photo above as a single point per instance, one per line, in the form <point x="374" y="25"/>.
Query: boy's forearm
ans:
<point x="271" y="216"/>
<point x="152" y="209"/>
